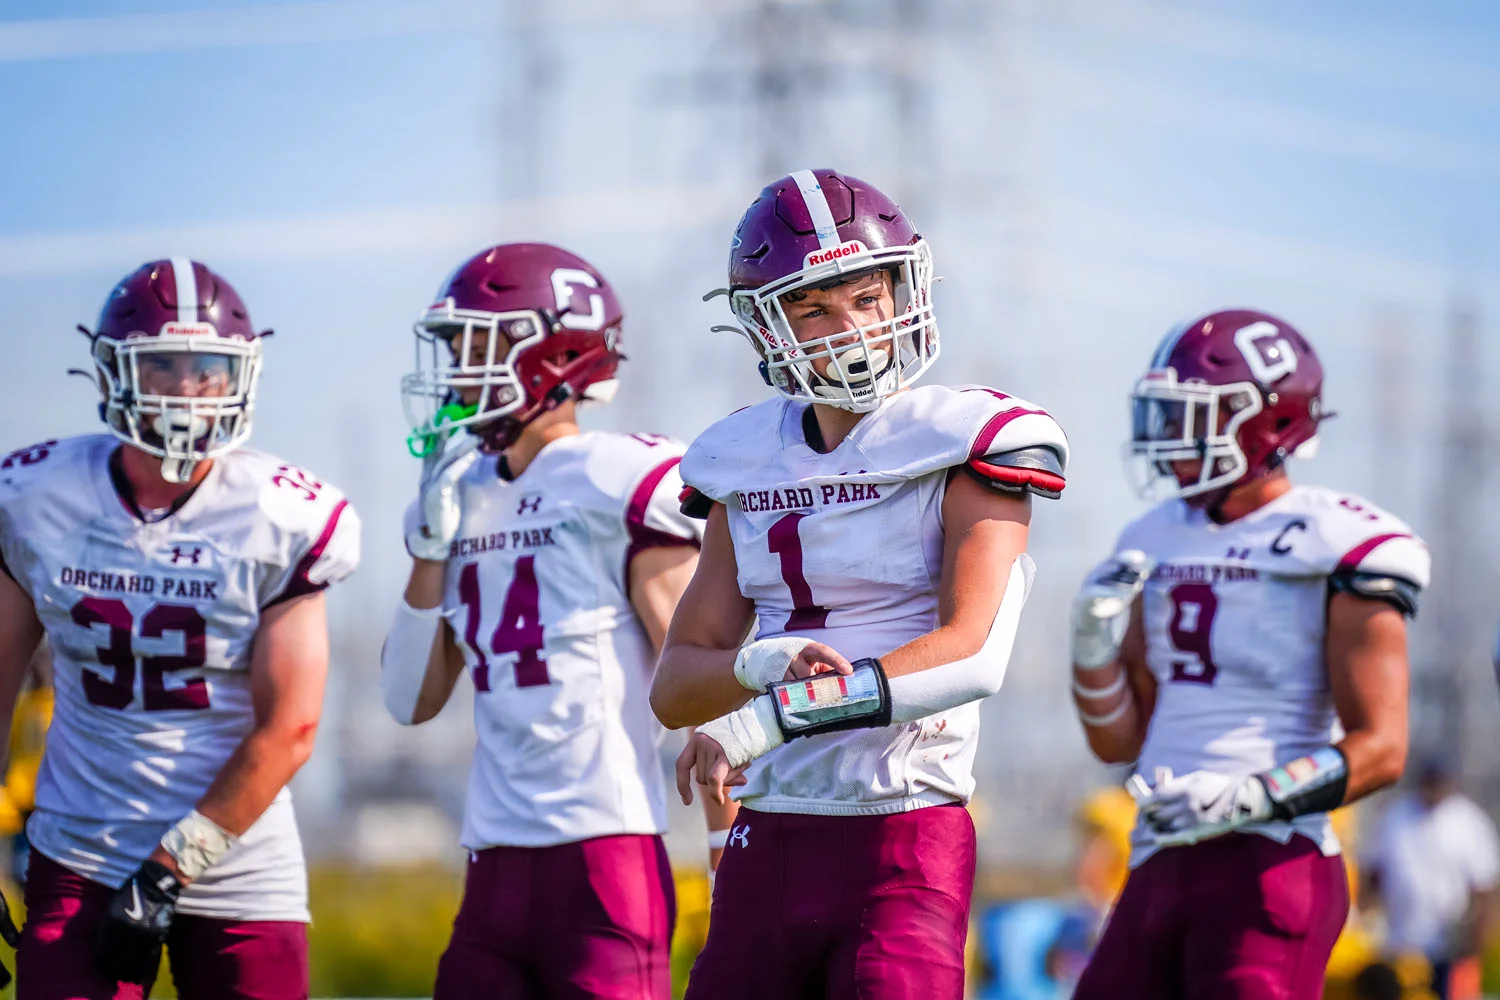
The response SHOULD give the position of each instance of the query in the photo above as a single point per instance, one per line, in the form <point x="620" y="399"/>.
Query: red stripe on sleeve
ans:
<point x="643" y="537"/>
<point x="300" y="584"/>
<point x="1357" y="555"/>
<point x="995" y="426"/>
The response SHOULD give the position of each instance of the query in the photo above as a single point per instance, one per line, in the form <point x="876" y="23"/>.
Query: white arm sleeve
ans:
<point x="404" y="658"/>
<point x="937" y="689"/>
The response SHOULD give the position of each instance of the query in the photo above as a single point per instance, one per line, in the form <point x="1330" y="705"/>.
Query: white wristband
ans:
<point x="404" y="658"/>
<point x="746" y="733"/>
<point x="717" y="839"/>
<point x="1108" y="718"/>
<point x="197" y="843"/>
<point x="1096" y="694"/>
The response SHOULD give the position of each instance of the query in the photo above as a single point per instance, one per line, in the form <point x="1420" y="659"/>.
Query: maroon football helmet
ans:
<point x="814" y="228"/>
<point x="560" y="320"/>
<point x="1239" y="391"/>
<point x="178" y="363"/>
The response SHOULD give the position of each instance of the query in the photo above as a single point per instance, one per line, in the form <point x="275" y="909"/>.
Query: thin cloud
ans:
<point x="401" y="230"/>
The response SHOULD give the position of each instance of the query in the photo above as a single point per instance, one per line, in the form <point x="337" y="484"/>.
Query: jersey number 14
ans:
<point x="520" y="629"/>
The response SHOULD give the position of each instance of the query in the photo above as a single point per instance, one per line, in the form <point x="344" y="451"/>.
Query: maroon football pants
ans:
<point x="591" y="920"/>
<point x="211" y="959"/>
<point x="1239" y="917"/>
<point x="840" y="907"/>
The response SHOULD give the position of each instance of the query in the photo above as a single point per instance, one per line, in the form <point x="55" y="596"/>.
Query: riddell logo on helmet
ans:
<point x="832" y="254"/>
<point x="187" y="329"/>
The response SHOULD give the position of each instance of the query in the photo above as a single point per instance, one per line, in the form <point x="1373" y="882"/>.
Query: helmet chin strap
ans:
<point x="856" y="365"/>
<point x="178" y="470"/>
<point x="178" y="431"/>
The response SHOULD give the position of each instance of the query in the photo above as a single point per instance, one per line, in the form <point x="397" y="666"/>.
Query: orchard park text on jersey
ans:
<point x="1203" y="573"/>
<point x="794" y="497"/>
<point x="103" y="581"/>
<point x="528" y="538"/>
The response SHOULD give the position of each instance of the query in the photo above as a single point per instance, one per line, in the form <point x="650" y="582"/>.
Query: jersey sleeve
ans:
<point x="1398" y="554"/>
<point x="654" y="516"/>
<point x="322" y="546"/>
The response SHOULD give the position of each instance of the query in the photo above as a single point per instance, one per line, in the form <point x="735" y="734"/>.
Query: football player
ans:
<point x="178" y="577"/>
<point x="546" y="561"/>
<point x="1245" y="646"/>
<point x="877" y="534"/>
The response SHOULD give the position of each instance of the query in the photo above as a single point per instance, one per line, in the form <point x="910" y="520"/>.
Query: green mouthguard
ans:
<point x="422" y="445"/>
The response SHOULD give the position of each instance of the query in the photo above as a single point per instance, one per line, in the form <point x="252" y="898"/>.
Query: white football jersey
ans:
<point x="847" y="548"/>
<point x="1236" y="619"/>
<point x="151" y="627"/>
<point x="538" y="596"/>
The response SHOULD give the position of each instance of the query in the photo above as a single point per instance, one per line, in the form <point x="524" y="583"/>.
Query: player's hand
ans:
<point x="764" y="662"/>
<point x="441" y="513"/>
<point x="136" y="921"/>
<point x="11" y="935"/>
<point x="703" y="761"/>
<point x="1198" y="805"/>
<point x="1101" y="611"/>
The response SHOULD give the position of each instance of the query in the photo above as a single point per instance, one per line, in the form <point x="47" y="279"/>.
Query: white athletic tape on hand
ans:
<point x="746" y="733"/>
<point x="717" y="839"/>
<point x="197" y="843"/>
<point x="765" y="661"/>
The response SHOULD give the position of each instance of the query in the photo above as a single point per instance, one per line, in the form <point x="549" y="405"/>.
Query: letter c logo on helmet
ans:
<point x="1271" y="362"/>
<point x="565" y="282"/>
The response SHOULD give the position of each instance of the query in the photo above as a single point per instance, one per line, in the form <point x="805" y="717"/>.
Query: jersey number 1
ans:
<point x="784" y="541"/>
<point x="520" y="629"/>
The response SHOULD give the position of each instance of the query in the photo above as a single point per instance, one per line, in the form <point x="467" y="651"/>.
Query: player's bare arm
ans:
<point x="1367" y="674"/>
<point x="658" y="578"/>
<point x="695" y="679"/>
<point x="20" y="634"/>
<point x="984" y="532"/>
<point x="1115" y="701"/>
<point x="287" y="675"/>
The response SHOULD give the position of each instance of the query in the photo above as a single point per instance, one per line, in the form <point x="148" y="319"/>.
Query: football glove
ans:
<point x="439" y="505"/>
<point x="1101" y="611"/>
<point x="1198" y="805"/>
<point x="135" y="925"/>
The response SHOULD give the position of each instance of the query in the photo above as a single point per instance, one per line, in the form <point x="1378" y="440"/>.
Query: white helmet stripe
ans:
<point x="817" y="207"/>
<point x="187" y="290"/>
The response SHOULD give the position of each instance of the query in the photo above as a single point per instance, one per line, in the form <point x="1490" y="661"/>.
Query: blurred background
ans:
<point x="1087" y="171"/>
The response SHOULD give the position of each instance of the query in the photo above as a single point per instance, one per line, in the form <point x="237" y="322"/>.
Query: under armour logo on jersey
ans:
<point x="178" y="555"/>
<point x="740" y="836"/>
<point x="529" y="505"/>
<point x="1235" y="553"/>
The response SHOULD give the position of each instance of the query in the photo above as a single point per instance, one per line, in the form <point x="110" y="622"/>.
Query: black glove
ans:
<point x="136" y="923"/>
<point x="10" y="934"/>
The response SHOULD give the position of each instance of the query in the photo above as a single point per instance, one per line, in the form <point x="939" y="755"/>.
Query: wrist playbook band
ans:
<point x="1312" y="784"/>
<point x="831" y="703"/>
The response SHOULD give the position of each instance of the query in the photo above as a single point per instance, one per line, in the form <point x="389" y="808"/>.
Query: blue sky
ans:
<point x="1088" y="171"/>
